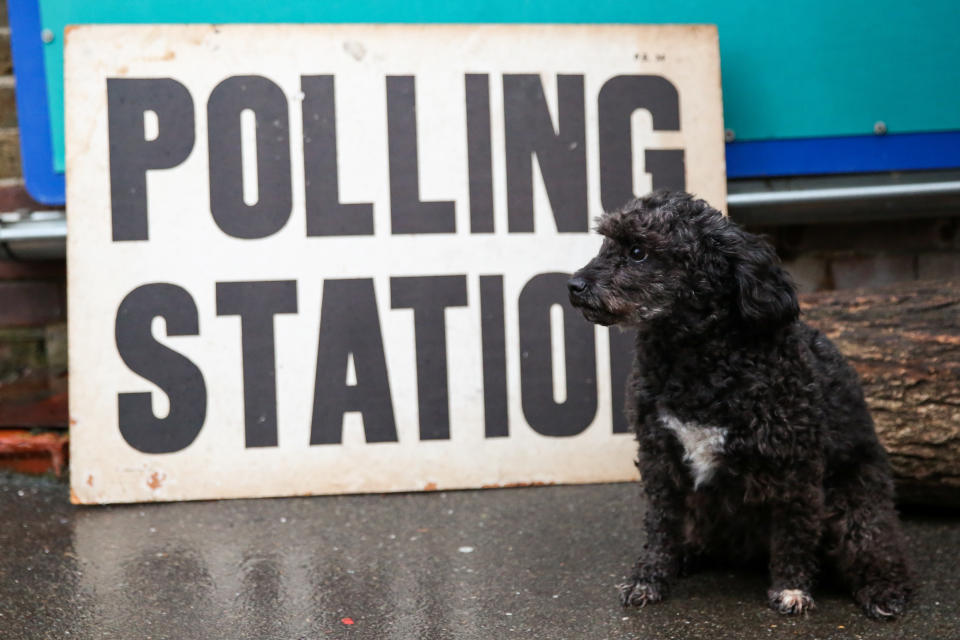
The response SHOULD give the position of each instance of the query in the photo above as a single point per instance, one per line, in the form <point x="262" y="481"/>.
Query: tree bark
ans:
<point x="904" y="341"/>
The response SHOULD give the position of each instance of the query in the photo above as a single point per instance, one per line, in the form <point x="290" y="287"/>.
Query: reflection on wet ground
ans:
<point x="527" y="563"/>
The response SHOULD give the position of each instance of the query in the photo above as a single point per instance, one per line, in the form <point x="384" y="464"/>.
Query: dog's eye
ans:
<point x="637" y="254"/>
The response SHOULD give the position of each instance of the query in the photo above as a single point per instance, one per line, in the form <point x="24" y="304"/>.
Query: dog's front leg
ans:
<point x="795" y="530"/>
<point x="661" y="474"/>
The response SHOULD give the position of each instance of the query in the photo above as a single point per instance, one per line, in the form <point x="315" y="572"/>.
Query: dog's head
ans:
<point x="671" y="257"/>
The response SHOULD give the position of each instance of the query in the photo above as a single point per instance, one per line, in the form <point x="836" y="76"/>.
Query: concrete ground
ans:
<point x="513" y="563"/>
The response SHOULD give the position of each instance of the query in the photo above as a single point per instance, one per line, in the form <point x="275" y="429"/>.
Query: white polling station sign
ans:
<point x="332" y="258"/>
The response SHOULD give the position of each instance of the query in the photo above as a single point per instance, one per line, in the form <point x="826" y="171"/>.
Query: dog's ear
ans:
<point x="764" y="292"/>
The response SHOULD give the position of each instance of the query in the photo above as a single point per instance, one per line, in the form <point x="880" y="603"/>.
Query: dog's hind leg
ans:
<point x="869" y="548"/>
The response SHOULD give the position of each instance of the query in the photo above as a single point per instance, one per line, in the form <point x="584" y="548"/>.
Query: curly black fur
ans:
<point x="754" y="438"/>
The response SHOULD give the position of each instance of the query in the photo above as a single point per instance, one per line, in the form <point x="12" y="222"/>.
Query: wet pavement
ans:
<point x="515" y="563"/>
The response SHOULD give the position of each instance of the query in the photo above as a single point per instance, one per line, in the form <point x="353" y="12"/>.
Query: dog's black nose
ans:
<point x="577" y="285"/>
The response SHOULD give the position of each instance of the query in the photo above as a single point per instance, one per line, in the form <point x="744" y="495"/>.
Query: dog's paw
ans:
<point x="790" y="601"/>
<point x="882" y="600"/>
<point x="639" y="593"/>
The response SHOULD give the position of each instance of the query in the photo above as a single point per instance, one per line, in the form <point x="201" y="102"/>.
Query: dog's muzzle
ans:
<point x="581" y="298"/>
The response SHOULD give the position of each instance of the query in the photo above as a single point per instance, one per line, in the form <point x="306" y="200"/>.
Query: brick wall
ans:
<point x="10" y="182"/>
<point x="850" y="255"/>
<point x="32" y="294"/>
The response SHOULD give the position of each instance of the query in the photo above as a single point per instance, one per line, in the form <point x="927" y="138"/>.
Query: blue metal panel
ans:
<point x="847" y="154"/>
<point x="744" y="92"/>
<point x="791" y="69"/>
<point x="36" y="148"/>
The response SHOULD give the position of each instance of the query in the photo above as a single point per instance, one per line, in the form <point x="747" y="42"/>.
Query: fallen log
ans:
<point x="904" y="341"/>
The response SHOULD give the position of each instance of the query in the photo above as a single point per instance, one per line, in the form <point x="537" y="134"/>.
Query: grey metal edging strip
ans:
<point x="41" y="225"/>
<point x="52" y="225"/>
<point x="865" y="192"/>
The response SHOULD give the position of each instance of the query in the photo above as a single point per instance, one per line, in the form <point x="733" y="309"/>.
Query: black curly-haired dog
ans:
<point x="754" y="437"/>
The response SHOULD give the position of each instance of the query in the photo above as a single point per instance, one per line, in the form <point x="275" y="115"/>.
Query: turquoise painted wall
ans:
<point x="791" y="69"/>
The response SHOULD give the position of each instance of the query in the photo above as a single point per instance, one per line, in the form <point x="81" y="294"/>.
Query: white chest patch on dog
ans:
<point x="702" y="445"/>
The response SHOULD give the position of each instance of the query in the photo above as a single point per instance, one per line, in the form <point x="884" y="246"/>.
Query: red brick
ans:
<point x="935" y="266"/>
<point x="33" y="270"/>
<point x="33" y="452"/>
<point x="891" y="236"/>
<point x="33" y="379"/>
<point x="8" y="103"/>
<point x="6" y="61"/>
<point x="9" y="153"/>
<point x="809" y="273"/>
<point x="22" y="350"/>
<point x="13" y="196"/>
<point x="47" y="411"/>
<point x="31" y="303"/>
<point x="36" y="399"/>
<point x="852" y="271"/>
